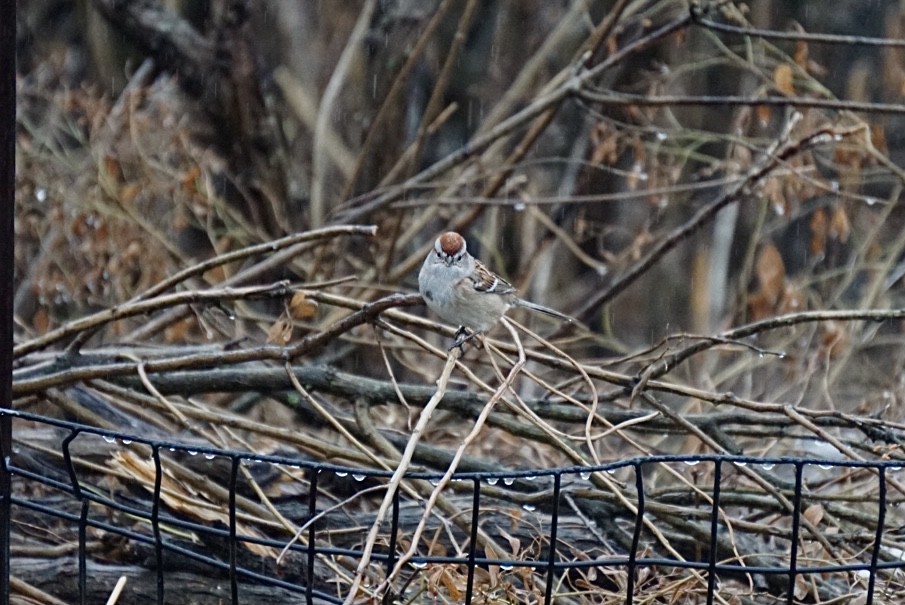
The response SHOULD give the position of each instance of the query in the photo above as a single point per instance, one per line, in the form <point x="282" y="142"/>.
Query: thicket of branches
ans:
<point x="221" y="249"/>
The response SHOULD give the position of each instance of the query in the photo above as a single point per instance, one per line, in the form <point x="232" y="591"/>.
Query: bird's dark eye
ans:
<point x="459" y="257"/>
<point x="439" y="254"/>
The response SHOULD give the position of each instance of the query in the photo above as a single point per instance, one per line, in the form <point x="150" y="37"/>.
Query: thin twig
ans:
<point x="399" y="473"/>
<point x="325" y="115"/>
<point x="460" y="451"/>
<point x="141" y="307"/>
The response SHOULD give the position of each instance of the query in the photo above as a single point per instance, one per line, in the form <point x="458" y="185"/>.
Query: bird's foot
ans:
<point x="462" y="336"/>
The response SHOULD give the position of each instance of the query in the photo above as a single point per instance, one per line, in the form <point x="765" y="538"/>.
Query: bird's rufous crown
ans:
<point x="451" y="243"/>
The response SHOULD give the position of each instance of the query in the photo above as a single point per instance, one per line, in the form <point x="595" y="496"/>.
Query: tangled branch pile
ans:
<point x="224" y="255"/>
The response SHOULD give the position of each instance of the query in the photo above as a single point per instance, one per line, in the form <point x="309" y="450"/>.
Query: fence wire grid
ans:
<point x="564" y="544"/>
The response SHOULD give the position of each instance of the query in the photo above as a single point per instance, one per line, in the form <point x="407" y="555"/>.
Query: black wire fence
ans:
<point x="568" y="539"/>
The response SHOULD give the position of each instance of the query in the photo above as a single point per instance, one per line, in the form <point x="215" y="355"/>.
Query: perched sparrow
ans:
<point x="462" y="291"/>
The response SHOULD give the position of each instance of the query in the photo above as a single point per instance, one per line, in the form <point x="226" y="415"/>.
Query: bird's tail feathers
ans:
<point x="545" y="310"/>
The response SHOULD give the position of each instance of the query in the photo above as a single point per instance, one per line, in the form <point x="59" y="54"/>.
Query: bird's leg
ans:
<point x="462" y="336"/>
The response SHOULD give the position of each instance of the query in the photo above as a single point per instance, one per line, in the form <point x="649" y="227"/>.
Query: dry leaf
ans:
<point x="453" y="588"/>
<point x="819" y="230"/>
<point x="190" y="176"/>
<point x="606" y="145"/>
<point x="113" y="170"/>
<point x="878" y="138"/>
<point x="801" y="54"/>
<point x="177" y="332"/>
<point x="40" y="321"/>
<point x="128" y="193"/>
<point x="79" y="226"/>
<point x="764" y="115"/>
<point x="102" y="232"/>
<point x="280" y="333"/>
<point x="783" y="78"/>
<point x="814" y="513"/>
<point x="514" y="543"/>
<point x="840" y="227"/>
<point x="773" y="189"/>
<point x="481" y="577"/>
<point x="794" y="300"/>
<point x="182" y="498"/>
<point x="802" y="587"/>
<point x="302" y="308"/>
<point x="834" y="339"/>
<point x="771" y="272"/>
<point x="493" y="570"/>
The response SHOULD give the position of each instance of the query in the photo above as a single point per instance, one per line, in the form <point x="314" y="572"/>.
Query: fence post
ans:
<point x="7" y="204"/>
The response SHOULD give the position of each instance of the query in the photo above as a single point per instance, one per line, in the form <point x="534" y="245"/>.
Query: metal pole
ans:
<point x="7" y="203"/>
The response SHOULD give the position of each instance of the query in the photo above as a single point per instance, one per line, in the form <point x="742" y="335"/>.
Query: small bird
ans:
<point x="464" y="292"/>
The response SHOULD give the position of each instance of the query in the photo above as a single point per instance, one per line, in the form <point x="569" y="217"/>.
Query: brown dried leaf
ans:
<point x="840" y="227"/>
<point x="280" y="333"/>
<point x="606" y="145"/>
<point x="834" y="339"/>
<point x="801" y="54"/>
<point x="794" y="300"/>
<point x="191" y="175"/>
<point x="819" y="231"/>
<point x="759" y="307"/>
<point x="177" y="332"/>
<point x="492" y="570"/>
<point x="742" y="156"/>
<point x="783" y="79"/>
<point x="878" y="138"/>
<point x="850" y="162"/>
<point x="40" y="321"/>
<point x="774" y="190"/>
<point x="103" y="230"/>
<point x="113" y="170"/>
<point x="764" y="115"/>
<point x="814" y="513"/>
<point x="128" y="193"/>
<point x="482" y="577"/>
<point x="514" y="543"/>
<point x="802" y="587"/>
<point x="181" y="497"/>
<point x="453" y="587"/>
<point x="302" y="308"/>
<point x="817" y="69"/>
<point x="79" y="226"/>
<point x="771" y="273"/>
